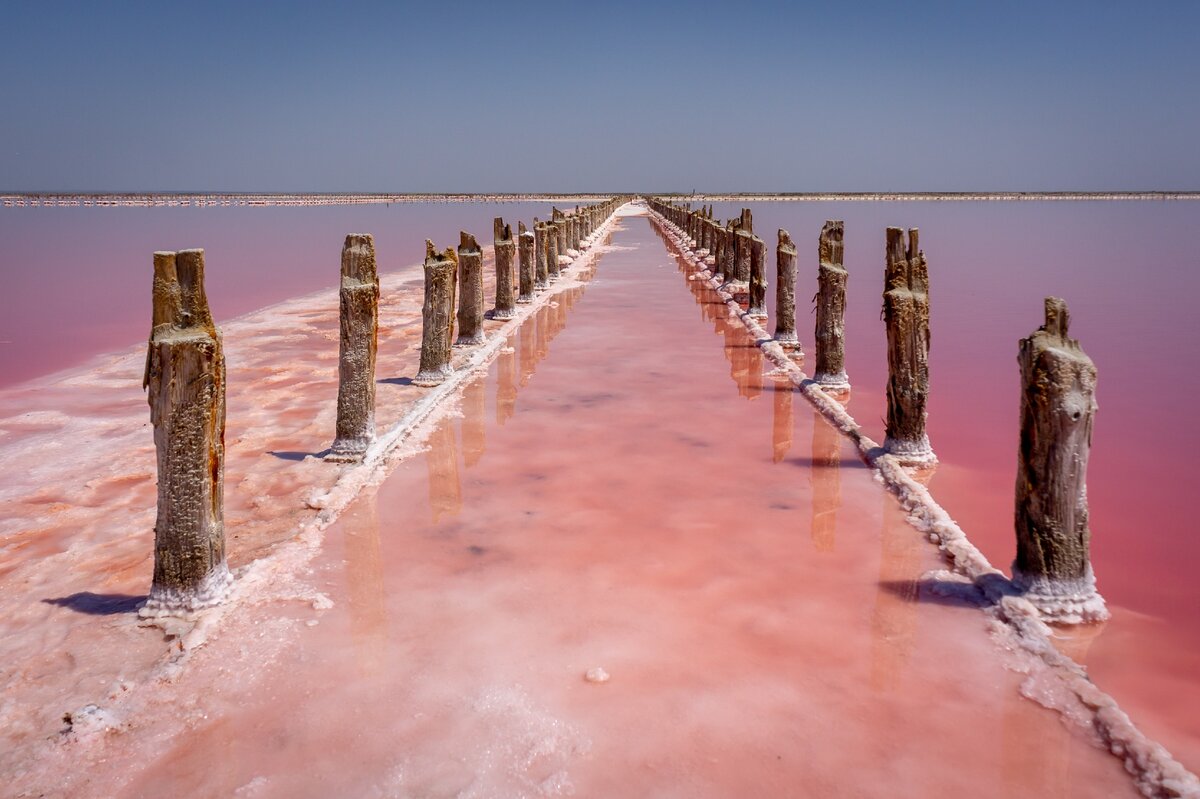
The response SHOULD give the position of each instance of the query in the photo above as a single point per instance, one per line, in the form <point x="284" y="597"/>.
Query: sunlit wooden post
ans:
<point x="785" y="293"/>
<point x="542" y="255"/>
<point x="437" y="316"/>
<point x="470" y="288"/>
<point x="359" y="299"/>
<point x="554" y="236"/>
<point x="1058" y="406"/>
<point x="830" y="335"/>
<point x="758" y="278"/>
<point x="505" y="249"/>
<point x="906" y="314"/>
<point x="185" y="376"/>
<point x="525" y="254"/>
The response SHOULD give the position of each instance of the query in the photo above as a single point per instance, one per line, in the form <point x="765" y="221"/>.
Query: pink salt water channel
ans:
<point x="623" y="558"/>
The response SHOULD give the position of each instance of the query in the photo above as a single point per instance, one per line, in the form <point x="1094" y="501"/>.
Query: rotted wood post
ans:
<point x="758" y="278"/>
<point x="554" y="235"/>
<point x="525" y="254"/>
<point x="437" y="316"/>
<point x="830" y="370"/>
<point x="1058" y="406"/>
<point x="906" y="314"/>
<point x="725" y="255"/>
<point x="558" y="220"/>
<point x="185" y="375"/>
<point x="359" y="342"/>
<point x="470" y="292"/>
<point x="785" y="294"/>
<point x="542" y="254"/>
<point x="738" y="283"/>
<point x="505" y="250"/>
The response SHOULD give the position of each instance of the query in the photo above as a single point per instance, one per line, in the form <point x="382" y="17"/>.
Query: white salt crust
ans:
<point x="1019" y="625"/>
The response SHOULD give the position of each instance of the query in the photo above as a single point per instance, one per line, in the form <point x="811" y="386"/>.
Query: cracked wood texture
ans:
<point x="470" y="292"/>
<point x="785" y="293"/>
<point x="906" y="314"/>
<point x="505" y="249"/>
<point x="185" y="378"/>
<point x="758" y="278"/>
<point x="437" y="316"/>
<point x="830" y="333"/>
<point x="359" y="342"/>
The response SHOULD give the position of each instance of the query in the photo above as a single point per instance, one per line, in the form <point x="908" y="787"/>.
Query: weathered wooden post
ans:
<point x="185" y="375"/>
<point x="553" y="236"/>
<point x="470" y="292"/>
<point x="1058" y="406"/>
<point x="830" y="370"/>
<point x="557" y="219"/>
<point x="525" y="254"/>
<point x="758" y="278"/>
<point x="738" y="284"/>
<point x="785" y="294"/>
<point x="505" y="250"/>
<point x="359" y="341"/>
<point x="725" y="254"/>
<point x="906" y="313"/>
<point x="437" y="316"/>
<point x="543" y="255"/>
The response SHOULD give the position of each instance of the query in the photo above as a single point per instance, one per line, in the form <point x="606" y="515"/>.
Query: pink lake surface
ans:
<point x="605" y="503"/>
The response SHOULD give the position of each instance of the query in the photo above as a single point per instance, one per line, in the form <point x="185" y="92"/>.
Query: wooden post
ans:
<point x="830" y="370"/>
<point x="554" y="234"/>
<point x="525" y="255"/>
<point x="437" y="316"/>
<point x="725" y="254"/>
<point x="470" y="292"/>
<point x="185" y="375"/>
<point x="758" y="278"/>
<point x="785" y="294"/>
<point x="359" y="341"/>
<point x="505" y="250"/>
<point x="1058" y="406"/>
<point x="906" y="313"/>
<point x="543" y="255"/>
<point x="738" y="284"/>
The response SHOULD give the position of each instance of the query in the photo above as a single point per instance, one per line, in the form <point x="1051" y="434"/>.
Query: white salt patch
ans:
<point x="597" y="675"/>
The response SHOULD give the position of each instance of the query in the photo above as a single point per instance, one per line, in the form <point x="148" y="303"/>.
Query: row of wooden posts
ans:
<point x="1058" y="383"/>
<point x="185" y="375"/>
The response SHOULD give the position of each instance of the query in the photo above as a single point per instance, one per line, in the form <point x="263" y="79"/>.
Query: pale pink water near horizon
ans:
<point x="990" y="264"/>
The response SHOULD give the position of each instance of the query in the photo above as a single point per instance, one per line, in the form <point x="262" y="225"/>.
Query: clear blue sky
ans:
<point x="603" y="96"/>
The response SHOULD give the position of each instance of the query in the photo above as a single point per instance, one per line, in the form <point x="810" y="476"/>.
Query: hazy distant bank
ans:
<point x="219" y="199"/>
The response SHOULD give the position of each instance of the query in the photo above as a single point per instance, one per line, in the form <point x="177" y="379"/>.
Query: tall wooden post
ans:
<point x="525" y="254"/>
<point x="830" y="370"/>
<point x="543" y="255"/>
<point x="906" y="313"/>
<point x="185" y="375"/>
<point x="758" y="278"/>
<point x="1058" y="406"/>
<point x="437" y="316"/>
<point x="554" y="236"/>
<point x="470" y="292"/>
<point x="359" y="341"/>
<point x="725" y="254"/>
<point x="505" y="250"/>
<point x="785" y="294"/>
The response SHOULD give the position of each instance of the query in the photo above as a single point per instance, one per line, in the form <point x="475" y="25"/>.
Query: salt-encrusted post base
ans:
<point x="911" y="452"/>
<point x="437" y="316"/>
<point x="359" y="299"/>
<point x="168" y="602"/>
<point x="1062" y="600"/>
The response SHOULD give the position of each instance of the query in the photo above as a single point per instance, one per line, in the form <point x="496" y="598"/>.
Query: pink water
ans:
<point x="665" y="515"/>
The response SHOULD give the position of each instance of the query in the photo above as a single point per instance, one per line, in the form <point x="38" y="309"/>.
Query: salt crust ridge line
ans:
<point x="289" y="559"/>
<point x="1015" y="625"/>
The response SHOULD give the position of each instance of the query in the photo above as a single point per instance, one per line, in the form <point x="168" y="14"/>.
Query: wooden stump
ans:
<point x="542" y="235"/>
<point x="437" y="316"/>
<point x="739" y="283"/>
<point x="758" y="278"/>
<point x="359" y="342"/>
<point x="505" y="250"/>
<point x="554" y="236"/>
<point x="185" y="375"/>
<point x="470" y="292"/>
<point x="830" y="369"/>
<point x="525" y="255"/>
<point x="725" y="255"/>
<point x="785" y="294"/>
<point x="1058" y="406"/>
<point x="906" y="313"/>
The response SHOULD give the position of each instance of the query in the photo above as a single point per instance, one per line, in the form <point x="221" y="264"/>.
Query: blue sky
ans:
<point x="615" y="96"/>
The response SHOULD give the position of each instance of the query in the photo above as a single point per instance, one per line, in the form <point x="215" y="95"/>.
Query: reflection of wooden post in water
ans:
<point x="185" y="375"/>
<point x="541" y="255"/>
<point x="758" y="278"/>
<point x="785" y="294"/>
<point x="474" y="425"/>
<point x="826" y="482"/>
<point x="894" y="618"/>
<point x="906" y="314"/>
<point x="525" y="255"/>
<point x="542" y="340"/>
<point x="1058" y="405"/>
<point x="781" y="428"/>
<point x="441" y="459"/>
<point x="528" y="352"/>
<point x="364" y="577"/>
<point x="359" y="298"/>
<point x="506" y="250"/>
<point x="437" y="315"/>
<point x="830" y="369"/>
<point x="470" y="287"/>
<point x="506" y="381"/>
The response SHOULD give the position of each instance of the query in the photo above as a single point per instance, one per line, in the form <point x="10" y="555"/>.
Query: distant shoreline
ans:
<point x="235" y="199"/>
